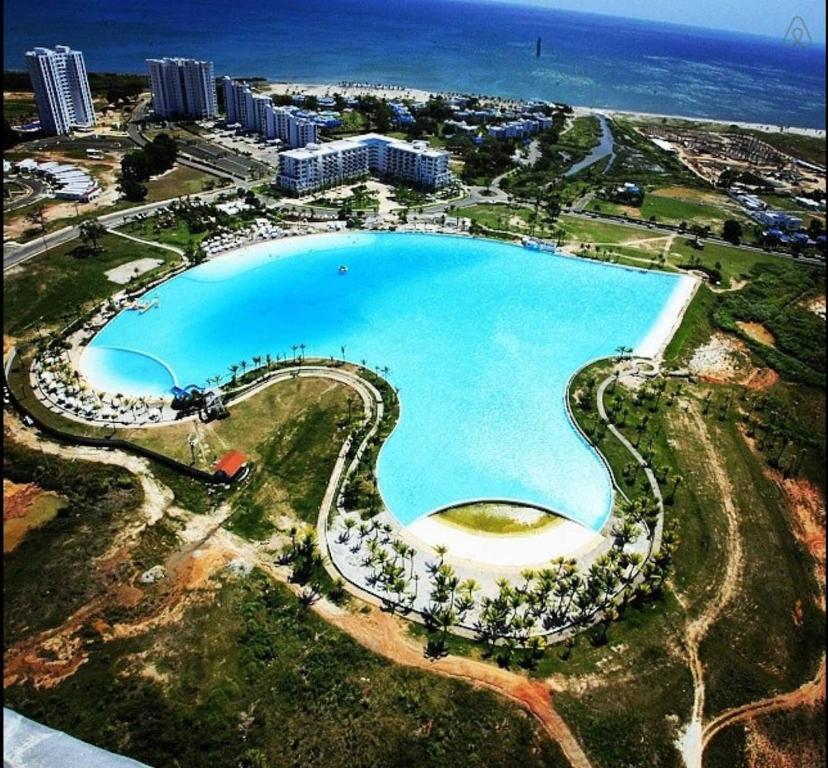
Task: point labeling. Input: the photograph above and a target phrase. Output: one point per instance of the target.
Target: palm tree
(233, 370)
(243, 366)
(294, 347)
(302, 354)
(342, 348)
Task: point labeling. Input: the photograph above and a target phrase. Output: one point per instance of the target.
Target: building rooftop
(230, 464)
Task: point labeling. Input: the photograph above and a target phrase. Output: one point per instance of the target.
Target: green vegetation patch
(48, 575)
(499, 519)
(61, 282)
(775, 297)
(254, 679)
(179, 182)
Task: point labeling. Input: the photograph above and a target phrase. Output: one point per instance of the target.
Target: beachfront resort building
(324, 165)
(256, 113)
(61, 89)
(182, 88)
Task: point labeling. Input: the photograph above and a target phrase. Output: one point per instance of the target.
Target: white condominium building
(256, 113)
(61, 89)
(182, 88)
(322, 165)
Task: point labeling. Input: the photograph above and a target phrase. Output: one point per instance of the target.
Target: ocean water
(480, 337)
(586, 59)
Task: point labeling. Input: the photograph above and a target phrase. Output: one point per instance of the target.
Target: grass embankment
(67, 279)
(292, 431)
(499, 519)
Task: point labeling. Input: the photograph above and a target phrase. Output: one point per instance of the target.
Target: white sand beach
(420, 94)
(662, 331)
(564, 539)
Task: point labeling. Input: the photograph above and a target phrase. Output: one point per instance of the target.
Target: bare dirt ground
(724, 359)
(817, 306)
(757, 332)
(25, 507)
(18, 498)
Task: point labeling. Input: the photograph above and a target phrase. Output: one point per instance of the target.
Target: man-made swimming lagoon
(481, 338)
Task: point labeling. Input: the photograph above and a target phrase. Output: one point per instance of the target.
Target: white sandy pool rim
(663, 329)
(517, 550)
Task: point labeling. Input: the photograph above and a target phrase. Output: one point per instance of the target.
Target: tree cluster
(138, 166)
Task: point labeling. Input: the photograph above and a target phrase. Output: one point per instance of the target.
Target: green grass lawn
(292, 430)
(691, 208)
(498, 216)
(584, 230)
(734, 263)
(65, 279)
(178, 235)
(179, 182)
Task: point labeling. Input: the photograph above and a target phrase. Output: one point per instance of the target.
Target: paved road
(14, 255)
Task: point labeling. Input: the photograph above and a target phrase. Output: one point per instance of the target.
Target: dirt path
(386, 635)
(157, 497)
(691, 743)
(380, 632)
(808, 694)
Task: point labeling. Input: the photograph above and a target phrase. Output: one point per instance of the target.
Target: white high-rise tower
(61, 89)
(182, 88)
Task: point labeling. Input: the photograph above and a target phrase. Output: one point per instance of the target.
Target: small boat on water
(343, 269)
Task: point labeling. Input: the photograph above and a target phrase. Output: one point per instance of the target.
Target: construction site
(709, 154)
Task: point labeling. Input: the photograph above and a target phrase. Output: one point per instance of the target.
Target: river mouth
(481, 338)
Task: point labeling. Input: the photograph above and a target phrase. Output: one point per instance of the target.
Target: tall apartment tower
(183, 88)
(61, 89)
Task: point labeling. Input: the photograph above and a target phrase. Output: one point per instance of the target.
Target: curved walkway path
(154, 244)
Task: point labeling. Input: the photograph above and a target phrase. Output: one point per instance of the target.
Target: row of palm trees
(549, 600)
(268, 361)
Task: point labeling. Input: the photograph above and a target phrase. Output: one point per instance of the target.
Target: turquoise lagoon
(480, 337)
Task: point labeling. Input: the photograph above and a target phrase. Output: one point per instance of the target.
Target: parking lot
(257, 147)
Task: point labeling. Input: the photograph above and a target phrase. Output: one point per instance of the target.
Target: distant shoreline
(408, 92)
(405, 92)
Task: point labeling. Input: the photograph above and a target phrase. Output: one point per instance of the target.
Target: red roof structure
(231, 464)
